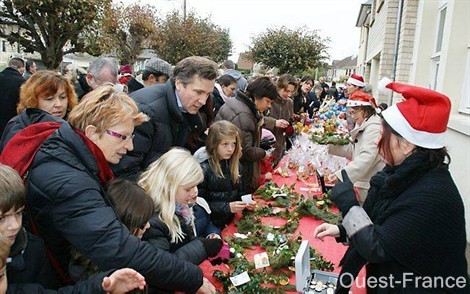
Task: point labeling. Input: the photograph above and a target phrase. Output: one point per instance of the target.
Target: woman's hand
(123, 281)
(332, 178)
(325, 230)
(251, 206)
(206, 287)
(282, 123)
(268, 176)
(237, 206)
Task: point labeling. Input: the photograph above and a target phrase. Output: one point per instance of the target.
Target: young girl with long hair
(221, 187)
(172, 183)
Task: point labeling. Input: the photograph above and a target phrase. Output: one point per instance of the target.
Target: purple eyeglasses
(120, 136)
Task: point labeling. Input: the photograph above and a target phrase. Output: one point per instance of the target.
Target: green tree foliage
(291, 51)
(177, 38)
(52, 28)
(124, 32)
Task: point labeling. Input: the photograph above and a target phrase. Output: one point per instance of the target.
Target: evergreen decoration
(279, 242)
(311, 207)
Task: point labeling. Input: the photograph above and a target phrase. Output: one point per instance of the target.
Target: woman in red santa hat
(410, 233)
(355, 83)
(362, 151)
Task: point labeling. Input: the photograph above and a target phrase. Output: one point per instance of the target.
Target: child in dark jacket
(172, 183)
(134, 208)
(221, 187)
(23, 258)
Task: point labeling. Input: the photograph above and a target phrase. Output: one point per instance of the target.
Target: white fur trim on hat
(382, 86)
(355, 82)
(353, 103)
(398, 122)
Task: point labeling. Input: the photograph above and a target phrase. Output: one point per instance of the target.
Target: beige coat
(363, 153)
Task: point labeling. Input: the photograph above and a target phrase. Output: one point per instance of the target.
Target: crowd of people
(127, 182)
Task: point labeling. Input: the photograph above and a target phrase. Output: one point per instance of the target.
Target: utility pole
(184, 9)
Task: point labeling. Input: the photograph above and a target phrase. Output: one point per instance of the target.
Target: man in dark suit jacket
(173, 111)
(11, 80)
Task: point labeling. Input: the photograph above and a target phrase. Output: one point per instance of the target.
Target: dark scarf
(386, 186)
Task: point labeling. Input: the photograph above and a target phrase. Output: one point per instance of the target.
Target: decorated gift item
(306, 157)
(329, 125)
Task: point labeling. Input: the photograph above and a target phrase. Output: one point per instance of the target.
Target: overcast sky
(335, 19)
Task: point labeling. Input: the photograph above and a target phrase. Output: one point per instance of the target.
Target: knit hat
(155, 65)
(125, 69)
(422, 118)
(360, 98)
(356, 80)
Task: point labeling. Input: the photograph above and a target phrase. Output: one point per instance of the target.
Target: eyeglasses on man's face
(120, 136)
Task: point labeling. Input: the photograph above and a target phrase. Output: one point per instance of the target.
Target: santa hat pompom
(382, 86)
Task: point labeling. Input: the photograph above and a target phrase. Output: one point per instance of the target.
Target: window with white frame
(465, 101)
(436, 57)
(435, 72)
(440, 29)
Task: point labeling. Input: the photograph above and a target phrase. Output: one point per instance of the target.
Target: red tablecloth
(331, 250)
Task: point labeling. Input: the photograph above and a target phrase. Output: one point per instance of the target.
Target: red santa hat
(422, 118)
(359, 98)
(356, 80)
(125, 69)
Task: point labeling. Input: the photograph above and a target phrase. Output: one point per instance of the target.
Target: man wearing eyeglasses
(173, 111)
(102, 70)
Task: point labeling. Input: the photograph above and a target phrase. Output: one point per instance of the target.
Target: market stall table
(329, 248)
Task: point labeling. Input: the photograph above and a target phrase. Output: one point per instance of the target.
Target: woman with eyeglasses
(66, 170)
(45, 96)
(362, 151)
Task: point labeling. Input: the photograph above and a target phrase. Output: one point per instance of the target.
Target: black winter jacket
(219, 192)
(10, 83)
(189, 249)
(28, 262)
(167, 127)
(70, 208)
(418, 229)
(91, 285)
(203, 223)
(218, 101)
(26, 118)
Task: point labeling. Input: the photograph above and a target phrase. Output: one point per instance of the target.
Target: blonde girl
(221, 187)
(172, 182)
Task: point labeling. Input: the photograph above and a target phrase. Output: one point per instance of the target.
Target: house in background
(8, 51)
(244, 62)
(339, 69)
(424, 43)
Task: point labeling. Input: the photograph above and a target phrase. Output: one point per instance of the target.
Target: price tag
(261, 260)
(240, 279)
(247, 199)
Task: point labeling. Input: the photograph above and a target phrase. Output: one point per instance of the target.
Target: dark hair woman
(246, 112)
(411, 231)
